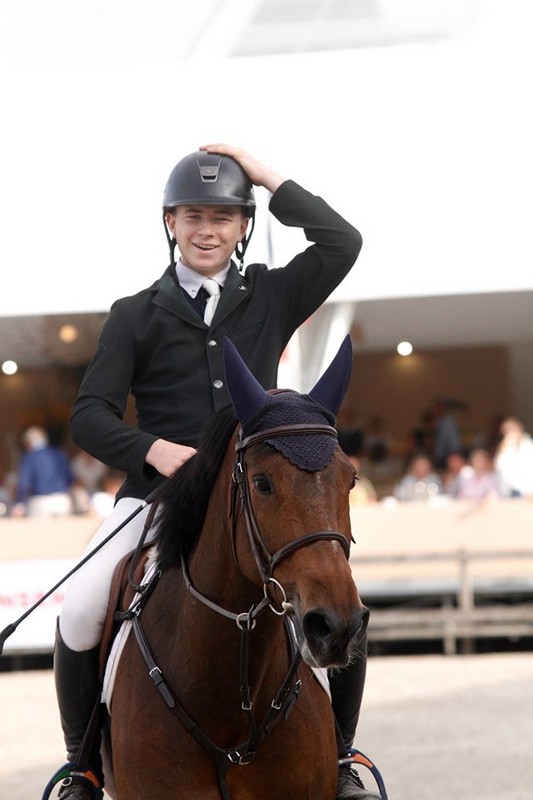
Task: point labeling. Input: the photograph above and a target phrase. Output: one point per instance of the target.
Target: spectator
(457, 471)
(447, 437)
(482, 482)
(494, 434)
(420, 482)
(364, 491)
(514, 459)
(44, 478)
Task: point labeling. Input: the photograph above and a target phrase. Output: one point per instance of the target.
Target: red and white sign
(22, 584)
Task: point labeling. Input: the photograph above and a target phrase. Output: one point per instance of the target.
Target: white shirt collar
(191, 281)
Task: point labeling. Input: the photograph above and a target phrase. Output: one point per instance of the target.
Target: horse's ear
(247, 394)
(330, 389)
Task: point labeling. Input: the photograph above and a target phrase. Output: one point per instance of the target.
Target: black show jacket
(155, 345)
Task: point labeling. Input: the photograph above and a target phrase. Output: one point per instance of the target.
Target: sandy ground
(439, 728)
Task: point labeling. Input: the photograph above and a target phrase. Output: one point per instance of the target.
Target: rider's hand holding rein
(167, 457)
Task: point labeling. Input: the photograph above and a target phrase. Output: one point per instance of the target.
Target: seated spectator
(482, 483)
(364, 491)
(513, 460)
(421, 482)
(44, 478)
(457, 470)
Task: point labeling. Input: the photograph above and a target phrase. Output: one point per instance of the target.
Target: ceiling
(499, 318)
(427, 322)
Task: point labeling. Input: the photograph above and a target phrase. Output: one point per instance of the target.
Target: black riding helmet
(209, 179)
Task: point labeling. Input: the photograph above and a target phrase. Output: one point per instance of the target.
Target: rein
(246, 621)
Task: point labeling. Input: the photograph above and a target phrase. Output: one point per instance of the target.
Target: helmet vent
(209, 174)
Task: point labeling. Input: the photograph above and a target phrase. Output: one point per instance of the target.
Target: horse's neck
(214, 571)
(213, 565)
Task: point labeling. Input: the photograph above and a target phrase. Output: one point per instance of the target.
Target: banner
(22, 584)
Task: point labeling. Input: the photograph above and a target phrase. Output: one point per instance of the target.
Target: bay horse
(253, 537)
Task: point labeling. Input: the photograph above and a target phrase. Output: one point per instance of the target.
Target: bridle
(266, 563)
(264, 559)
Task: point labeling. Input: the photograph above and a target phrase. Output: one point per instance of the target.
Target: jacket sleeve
(97, 424)
(311, 276)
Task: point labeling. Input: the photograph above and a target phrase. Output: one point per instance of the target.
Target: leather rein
(266, 563)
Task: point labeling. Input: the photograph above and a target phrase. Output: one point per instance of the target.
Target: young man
(164, 345)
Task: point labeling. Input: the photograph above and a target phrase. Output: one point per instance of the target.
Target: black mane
(181, 504)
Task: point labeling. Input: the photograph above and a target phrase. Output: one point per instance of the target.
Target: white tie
(213, 290)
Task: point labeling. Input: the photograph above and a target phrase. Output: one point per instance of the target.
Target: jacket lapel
(170, 297)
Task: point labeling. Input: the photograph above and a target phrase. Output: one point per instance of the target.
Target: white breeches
(84, 607)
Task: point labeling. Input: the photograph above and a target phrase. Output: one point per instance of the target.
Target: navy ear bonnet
(310, 452)
(258, 410)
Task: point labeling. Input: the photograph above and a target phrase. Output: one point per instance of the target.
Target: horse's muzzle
(331, 641)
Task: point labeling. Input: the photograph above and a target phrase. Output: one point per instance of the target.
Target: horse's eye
(262, 484)
(354, 481)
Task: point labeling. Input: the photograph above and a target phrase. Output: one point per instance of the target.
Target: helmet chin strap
(171, 241)
(240, 248)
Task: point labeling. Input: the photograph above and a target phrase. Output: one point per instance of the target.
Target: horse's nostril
(316, 626)
(331, 638)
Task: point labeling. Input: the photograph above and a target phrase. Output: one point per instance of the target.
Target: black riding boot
(78, 687)
(347, 687)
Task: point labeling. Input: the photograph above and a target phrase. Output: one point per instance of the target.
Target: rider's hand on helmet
(259, 173)
(167, 457)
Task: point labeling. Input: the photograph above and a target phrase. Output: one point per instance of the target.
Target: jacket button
(218, 384)
(212, 343)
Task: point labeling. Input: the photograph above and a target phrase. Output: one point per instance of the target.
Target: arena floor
(438, 727)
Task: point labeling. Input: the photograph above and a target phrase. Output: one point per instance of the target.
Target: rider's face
(207, 235)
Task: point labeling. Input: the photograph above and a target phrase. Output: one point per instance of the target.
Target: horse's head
(294, 483)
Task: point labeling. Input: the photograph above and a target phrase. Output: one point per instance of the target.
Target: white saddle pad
(122, 637)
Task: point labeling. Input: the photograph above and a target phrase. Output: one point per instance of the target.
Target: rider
(156, 345)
